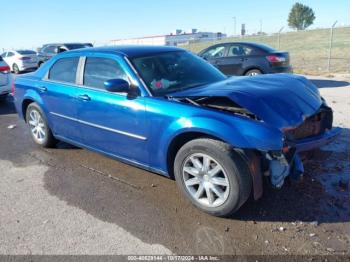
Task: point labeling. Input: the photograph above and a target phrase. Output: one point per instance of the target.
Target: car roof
(251, 44)
(62, 44)
(128, 50)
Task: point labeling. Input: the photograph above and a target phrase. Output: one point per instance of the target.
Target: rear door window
(64, 70)
(239, 50)
(98, 70)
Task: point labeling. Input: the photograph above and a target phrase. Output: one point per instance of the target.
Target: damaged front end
(288, 103)
(314, 131)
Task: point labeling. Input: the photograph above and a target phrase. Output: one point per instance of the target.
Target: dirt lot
(72, 201)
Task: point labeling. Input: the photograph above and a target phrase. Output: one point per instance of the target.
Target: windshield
(175, 71)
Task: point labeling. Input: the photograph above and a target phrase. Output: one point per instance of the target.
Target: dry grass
(308, 49)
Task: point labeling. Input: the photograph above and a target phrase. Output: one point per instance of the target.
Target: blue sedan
(170, 112)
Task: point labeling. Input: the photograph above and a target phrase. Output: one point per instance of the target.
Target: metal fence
(312, 51)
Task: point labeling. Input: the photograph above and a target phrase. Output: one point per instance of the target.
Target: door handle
(42, 89)
(84, 97)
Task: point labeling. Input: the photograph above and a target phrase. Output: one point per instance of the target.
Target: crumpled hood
(280, 100)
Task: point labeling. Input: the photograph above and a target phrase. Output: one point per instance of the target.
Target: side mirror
(117, 86)
(57, 50)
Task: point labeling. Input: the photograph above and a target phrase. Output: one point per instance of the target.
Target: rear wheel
(3, 98)
(39, 129)
(15, 68)
(213, 176)
(253, 72)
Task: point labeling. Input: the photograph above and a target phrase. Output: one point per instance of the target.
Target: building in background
(177, 38)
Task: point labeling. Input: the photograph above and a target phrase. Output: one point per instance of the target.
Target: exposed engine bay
(220, 103)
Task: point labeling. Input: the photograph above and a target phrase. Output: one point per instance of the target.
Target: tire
(233, 181)
(3, 98)
(15, 69)
(35, 118)
(253, 72)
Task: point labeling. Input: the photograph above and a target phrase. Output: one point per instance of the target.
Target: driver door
(111, 122)
(216, 56)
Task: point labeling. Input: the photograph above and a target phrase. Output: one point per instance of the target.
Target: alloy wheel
(37, 126)
(205, 180)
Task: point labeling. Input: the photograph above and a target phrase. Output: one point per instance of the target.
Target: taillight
(5, 69)
(24, 58)
(275, 58)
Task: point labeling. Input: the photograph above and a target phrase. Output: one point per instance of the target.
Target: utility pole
(261, 25)
(234, 25)
(279, 37)
(330, 47)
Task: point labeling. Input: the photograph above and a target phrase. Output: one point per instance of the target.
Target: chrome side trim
(100, 127)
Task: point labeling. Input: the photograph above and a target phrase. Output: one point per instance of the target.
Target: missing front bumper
(282, 165)
(310, 143)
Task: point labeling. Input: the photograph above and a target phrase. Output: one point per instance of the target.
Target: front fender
(237, 131)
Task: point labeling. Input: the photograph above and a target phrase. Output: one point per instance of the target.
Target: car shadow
(316, 197)
(327, 83)
(7, 106)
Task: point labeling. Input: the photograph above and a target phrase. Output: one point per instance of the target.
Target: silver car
(5, 77)
(21, 60)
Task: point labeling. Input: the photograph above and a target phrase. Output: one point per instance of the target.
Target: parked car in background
(5, 88)
(244, 58)
(49, 50)
(168, 111)
(21, 60)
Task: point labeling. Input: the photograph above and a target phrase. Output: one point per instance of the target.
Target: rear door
(111, 122)
(235, 59)
(58, 92)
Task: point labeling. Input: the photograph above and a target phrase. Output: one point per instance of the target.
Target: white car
(21, 60)
(5, 79)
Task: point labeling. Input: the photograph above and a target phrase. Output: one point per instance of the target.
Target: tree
(301, 17)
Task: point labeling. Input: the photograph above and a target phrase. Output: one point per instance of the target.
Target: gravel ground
(72, 201)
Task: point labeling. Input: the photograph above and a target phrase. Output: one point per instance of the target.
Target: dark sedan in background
(244, 58)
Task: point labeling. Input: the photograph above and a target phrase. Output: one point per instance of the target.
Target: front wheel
(39, 129)
(213, 176)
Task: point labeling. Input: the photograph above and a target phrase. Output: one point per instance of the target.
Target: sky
(29, 24)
